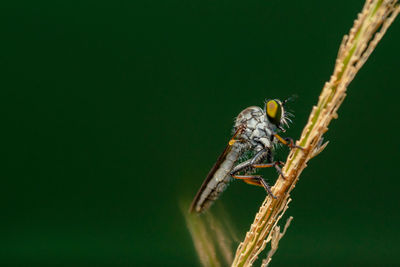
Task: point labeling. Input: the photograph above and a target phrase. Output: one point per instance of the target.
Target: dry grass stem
(276, 236)
(369, 27)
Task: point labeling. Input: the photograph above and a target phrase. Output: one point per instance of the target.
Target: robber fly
(255, 133)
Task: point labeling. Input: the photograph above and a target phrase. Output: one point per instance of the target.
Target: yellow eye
(274, 111)
(272, 108)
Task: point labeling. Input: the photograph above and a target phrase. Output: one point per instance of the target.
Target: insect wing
(210, 175)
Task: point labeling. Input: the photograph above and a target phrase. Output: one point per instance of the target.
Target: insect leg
(287, 141)
(255, 180)
(248, 163)
(258, 158)
(272, 164)
(240, 130)
(275, 163)
(254, 163)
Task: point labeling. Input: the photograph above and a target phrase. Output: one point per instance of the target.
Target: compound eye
(274, 111)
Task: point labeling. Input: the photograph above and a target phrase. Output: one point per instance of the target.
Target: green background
(112, 113)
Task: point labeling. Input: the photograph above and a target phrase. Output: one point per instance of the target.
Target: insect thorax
(258, 130)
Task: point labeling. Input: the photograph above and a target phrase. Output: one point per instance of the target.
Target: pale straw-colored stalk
(368, 29)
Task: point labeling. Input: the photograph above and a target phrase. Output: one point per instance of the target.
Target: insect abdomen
(218, 182)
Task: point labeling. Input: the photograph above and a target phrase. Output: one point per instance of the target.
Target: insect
(255, 134)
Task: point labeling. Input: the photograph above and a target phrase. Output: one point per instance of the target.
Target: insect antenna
(290, 99)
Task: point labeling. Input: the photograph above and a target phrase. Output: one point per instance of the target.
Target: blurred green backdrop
(114, 112)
